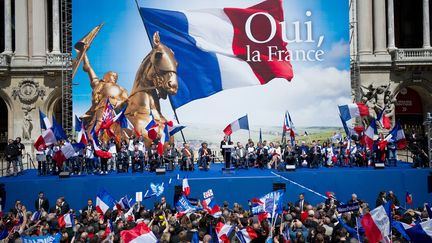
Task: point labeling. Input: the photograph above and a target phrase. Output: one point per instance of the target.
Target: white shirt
(112, 148)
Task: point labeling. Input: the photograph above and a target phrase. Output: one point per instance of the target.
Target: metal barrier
(27, 160)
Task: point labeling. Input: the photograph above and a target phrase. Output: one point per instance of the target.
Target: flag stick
(176, 117)
(249, 133)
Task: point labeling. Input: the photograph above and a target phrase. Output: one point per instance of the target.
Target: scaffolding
(66, 71)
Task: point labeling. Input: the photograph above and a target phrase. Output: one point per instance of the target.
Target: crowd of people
(133, 155)
(298, 222)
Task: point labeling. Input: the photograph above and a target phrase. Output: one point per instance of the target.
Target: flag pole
(176, 117)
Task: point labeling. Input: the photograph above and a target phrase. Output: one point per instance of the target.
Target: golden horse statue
(155, 79)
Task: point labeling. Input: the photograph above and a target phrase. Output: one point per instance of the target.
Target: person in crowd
(381, 199)
(123, 158)
(112, 148)
(187, 158)
(21, 152)
(204, 156)
(154, 160)
(89, 208)
(301, 203)
(393, 198)
(89, 158)
(303, 152)
(137, 157)
(353, 199)
(170, 157)
(315, 155)
(42, 203)
(289, 155)
(226, 152)
(11, 155)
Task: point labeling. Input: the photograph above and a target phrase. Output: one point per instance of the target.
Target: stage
(238, 186)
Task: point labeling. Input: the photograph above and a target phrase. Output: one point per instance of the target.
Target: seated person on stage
(315, 155)
(262, 156)
(275, 156)
(341, 154)
(289, 155)
(204, 154)
(123, 158)
(137, 157)
(303, 152)
(153, 158)
(251, 154)
(240, 156)
(170, 156)
(187, 158)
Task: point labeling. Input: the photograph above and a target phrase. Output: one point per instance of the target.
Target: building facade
(32, 61)
(391, 52)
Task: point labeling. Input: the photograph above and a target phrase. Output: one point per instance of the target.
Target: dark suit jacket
(45, 204)
(297, 204)
(84, 209)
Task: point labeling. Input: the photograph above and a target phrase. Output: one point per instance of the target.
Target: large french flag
(347, 112)
(121, 119)
(211, 47)
(246, 235)
(384, 120)
(47, 138)
(421, 232)
(141, 233)
(104, 201)
(241, 123)
(44, 121)
(185, 187)
(370, 134)
(377, 223)
(397, 135)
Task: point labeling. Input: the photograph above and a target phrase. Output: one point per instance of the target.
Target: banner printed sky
(311, 97)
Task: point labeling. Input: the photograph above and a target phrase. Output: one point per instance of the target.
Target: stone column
(426, 26)
(390, 25)
(56, 26)
(8, 27)
(21, 30)
(365, 26)
(39, 36)
(379, 11)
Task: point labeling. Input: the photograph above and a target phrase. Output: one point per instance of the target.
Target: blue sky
(123, 43)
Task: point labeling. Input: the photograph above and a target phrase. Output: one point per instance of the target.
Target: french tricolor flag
(66, 221)
(246, 235)
(408, 198)
(141, 233)
(397, 135)
(347, 112)
(421, 232)
(151, 128)
(98, 151)
(121, 119)
(377, 223)
(164, 139)
(104, 201)
(222, 48)
(384, 120)
(241, 123)
(223, 232)
(174, 127)
(370, 135)
(185, 187)
(47, 138)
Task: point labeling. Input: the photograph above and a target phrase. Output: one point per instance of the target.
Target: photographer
(11, 154)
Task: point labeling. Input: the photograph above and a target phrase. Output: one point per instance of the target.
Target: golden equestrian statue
(156, 78)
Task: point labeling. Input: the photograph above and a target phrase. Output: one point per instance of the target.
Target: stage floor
(239, 186)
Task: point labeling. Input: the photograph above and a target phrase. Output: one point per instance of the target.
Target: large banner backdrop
(215, 61)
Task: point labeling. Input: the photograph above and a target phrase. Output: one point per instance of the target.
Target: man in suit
(187, 158)
(89, 208)
(137, 157)
(170, 156)
(381, 199)
(301, 203)
(41, 203)
(226, 152)
(163, 204)
(303, 152)
(153, 158)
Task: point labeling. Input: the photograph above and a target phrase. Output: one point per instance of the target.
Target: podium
(227, 154)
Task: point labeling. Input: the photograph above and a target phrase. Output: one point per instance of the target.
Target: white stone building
(31, 64)
(391, 44)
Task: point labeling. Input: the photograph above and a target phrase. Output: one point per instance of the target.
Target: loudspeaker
(178, 192)
(160, 171)
(290, 167)
(64, 174)
(279, 186)
(379, 166)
